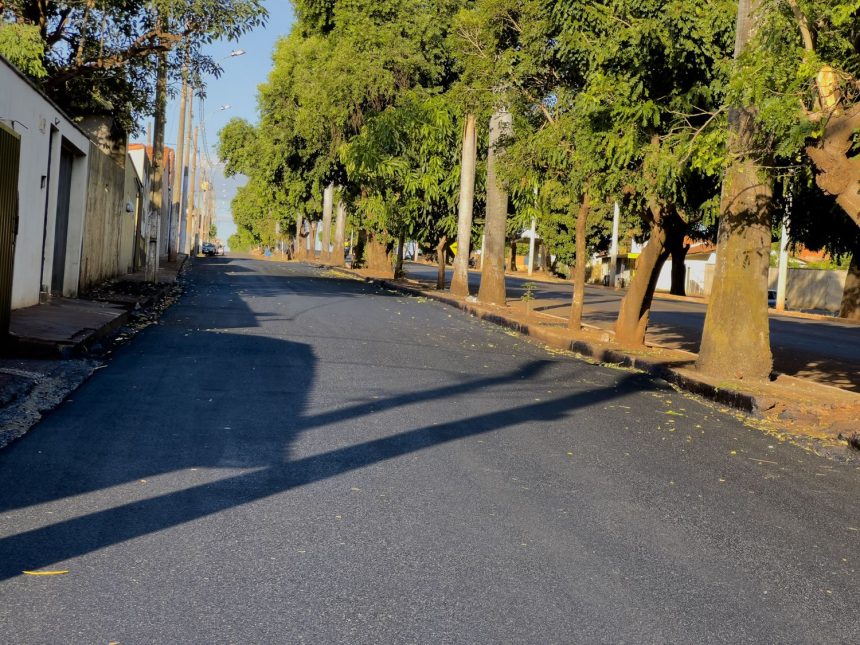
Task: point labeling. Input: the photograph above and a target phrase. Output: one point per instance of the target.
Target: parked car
(219, 249)
(209, 248)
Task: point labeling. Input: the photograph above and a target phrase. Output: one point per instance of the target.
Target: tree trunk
(460, 281)
(838, 174)
(851, 295)
(513, 264)
(667, 232)
(441, 252)
(337, 255)
(398, 262)
(492, 290)
(544, 258)
(312, 238)
(575, 321)
(736, 336)
(377, 255)
(359, 251)
(678, 252)
(328, 203)
(301, 240)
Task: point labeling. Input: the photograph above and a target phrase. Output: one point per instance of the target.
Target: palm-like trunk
(492, 288)
(736, 336)
(312, 249)
(575, 321)
(460, 281)
(328, 203)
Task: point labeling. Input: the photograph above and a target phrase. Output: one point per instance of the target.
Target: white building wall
(44, 129)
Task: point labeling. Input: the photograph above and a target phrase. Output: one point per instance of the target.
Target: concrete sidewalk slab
(63, 327)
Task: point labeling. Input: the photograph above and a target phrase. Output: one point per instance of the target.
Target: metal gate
(61, 226)
(10, 149)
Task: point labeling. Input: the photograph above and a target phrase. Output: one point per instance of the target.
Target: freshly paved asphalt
(292, 457)
(823, 350)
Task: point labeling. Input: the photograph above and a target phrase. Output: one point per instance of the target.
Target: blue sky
(236, 87)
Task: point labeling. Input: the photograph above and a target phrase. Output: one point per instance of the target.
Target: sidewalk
(49, 350)
(63, 327)
(789, 404)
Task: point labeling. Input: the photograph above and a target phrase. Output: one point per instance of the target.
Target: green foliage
(22, 45)
(348, 72)
(98, 57)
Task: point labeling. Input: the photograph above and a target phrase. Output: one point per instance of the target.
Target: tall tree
(736, 346)
(99, 57)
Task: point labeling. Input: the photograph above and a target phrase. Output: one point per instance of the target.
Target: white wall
(44, 129)
(811, 288)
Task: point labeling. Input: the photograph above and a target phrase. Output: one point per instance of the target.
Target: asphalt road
(294, 457)
(825, 351)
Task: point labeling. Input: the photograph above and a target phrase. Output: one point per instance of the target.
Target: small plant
(528, 295)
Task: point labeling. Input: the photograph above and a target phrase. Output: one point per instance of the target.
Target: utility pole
(191, 195)
(328, 206)
(176, 206)
(156, 198)
(613, 249)
(186, 176)
(460, 281)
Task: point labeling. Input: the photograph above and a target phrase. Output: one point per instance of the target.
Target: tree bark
(513, 264)
(460, 281)
(377, 255)
(736, 336)
(328, 204)
(299, 252)
(667, 232)
(359, 252)
(441, 252)
(492, 289)
(544, 258)
(851, 295)
(398, 262)
(337, 255)
(838, 174)
(678, 252)
(575, 321)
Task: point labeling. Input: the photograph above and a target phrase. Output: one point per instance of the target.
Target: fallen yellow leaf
(45, 573)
